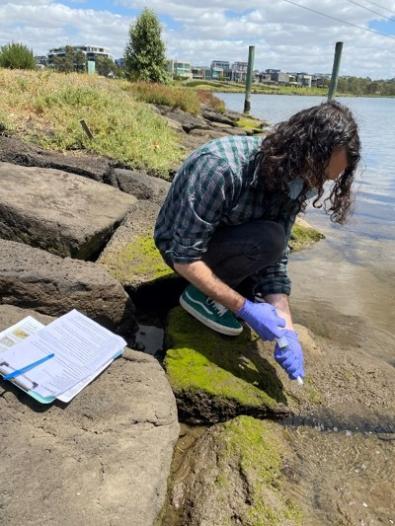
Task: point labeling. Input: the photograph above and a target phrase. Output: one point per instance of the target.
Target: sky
(286, 36)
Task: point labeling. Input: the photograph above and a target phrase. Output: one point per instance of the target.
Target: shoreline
(345, 95)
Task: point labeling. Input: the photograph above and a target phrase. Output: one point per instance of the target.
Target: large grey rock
(215, 116)
(33, 278)
(66, 214)
(9, 315)
(248, 472)
(233, 475)
(187, 120)
(103, 459)
(131, 255)
(139, 184)
(16, 151)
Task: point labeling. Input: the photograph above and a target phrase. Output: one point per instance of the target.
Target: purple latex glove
(263, 319)
(290, 357)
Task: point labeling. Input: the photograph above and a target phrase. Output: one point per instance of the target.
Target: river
(351, 274)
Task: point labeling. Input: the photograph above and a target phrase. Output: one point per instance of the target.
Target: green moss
(258, 450)
(249, 123)
(138, 261)
(200, 360)
(303, 237)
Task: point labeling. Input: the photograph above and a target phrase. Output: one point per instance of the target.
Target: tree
(72, 60)
(16, 56)
(145, 57)
(80, 61)
(105, 66)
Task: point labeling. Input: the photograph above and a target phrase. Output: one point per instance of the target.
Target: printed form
(81, 348)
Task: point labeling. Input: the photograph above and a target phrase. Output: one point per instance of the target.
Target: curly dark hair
(302, 147)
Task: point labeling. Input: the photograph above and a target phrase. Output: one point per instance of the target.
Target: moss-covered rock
(236, 476)
(251, 124)
(217, 377)
(131, 255)
(137, 261)
(303, 235)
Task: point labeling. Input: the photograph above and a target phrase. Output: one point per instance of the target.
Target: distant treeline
(366, 86)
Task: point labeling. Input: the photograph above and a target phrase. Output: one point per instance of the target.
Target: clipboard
(19, 375)
(22, 382)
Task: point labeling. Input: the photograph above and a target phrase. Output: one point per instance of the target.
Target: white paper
(67, 396)
(81, 346)
(18, 332)
(13, 335)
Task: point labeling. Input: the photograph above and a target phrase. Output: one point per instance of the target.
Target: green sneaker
(209, 312)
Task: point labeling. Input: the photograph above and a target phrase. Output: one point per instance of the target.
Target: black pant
(237, 252)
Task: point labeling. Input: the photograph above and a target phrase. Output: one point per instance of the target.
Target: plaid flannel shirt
(218, 185)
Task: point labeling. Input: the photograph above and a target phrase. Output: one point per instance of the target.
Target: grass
(173, 96)
(209, 99)
(46, 108)
(234, 87)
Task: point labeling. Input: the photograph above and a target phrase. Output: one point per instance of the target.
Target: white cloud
(285, 36)
(47, 24)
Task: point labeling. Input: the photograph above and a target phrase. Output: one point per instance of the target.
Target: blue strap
(27, 368)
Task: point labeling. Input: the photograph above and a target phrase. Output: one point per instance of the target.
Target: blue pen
(27, 368)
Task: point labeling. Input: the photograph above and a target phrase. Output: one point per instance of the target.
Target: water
(352, 272)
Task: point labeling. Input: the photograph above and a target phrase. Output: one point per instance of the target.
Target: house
(201, 72)
(41, 61)
(182, 70)
(90, 52)
(220, 70)
(304, 79)
(239, 71)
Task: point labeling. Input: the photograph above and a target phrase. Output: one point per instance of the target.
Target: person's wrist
(243, 309)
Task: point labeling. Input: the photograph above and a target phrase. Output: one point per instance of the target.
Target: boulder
(217, 377)
(187, 120)
(139, 184)
(33, 278)
(16, 151)
(63, 213)
(9, 315)
(215, 116)
(102, 459)
(235, 476)
(248, 472)
(131, 255)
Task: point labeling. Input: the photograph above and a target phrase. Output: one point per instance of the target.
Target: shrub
(16, 56)
(207, 98)
(174, 97)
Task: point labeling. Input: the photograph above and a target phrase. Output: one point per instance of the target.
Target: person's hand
(290, 357)
(263, 319)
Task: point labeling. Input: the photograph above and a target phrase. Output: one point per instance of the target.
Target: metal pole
(251, 56)
(335, 70)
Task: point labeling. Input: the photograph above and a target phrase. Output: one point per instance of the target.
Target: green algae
(198, 360)
(251, 124)
(136, 262)
(303, 236)
(258, 450)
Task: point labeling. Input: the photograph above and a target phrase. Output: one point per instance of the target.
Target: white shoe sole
(227, 331)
